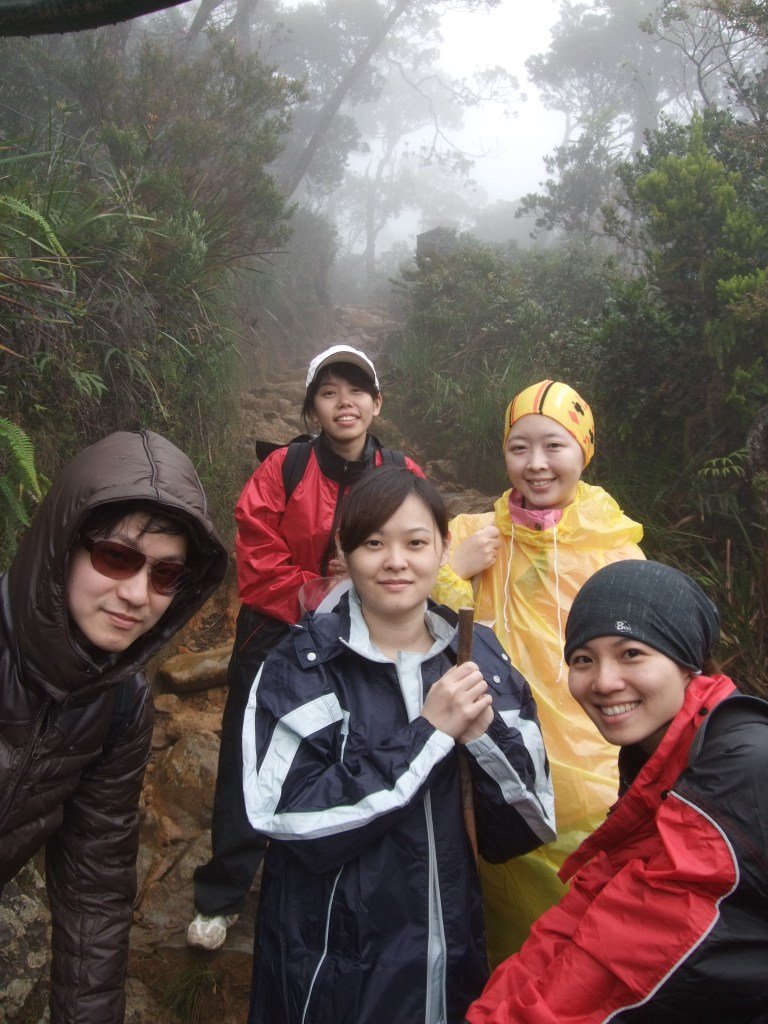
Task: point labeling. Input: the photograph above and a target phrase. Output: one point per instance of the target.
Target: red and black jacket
(666, 920)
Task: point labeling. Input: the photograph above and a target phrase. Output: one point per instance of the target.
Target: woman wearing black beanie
(666, 919)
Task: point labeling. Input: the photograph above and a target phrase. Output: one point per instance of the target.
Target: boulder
(466, 501)
(140, 1005)
(196, 670)
(445, 470)
(183, 781)
(166, 904)
(175, 718)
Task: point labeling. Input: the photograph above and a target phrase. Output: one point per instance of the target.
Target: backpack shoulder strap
(391, 457)
(265, 448)
(295, 464)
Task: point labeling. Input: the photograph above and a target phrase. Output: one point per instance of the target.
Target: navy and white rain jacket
(370, 909)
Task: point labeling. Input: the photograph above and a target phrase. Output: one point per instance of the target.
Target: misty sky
(515, 143)
(515, 140)
(506, 35)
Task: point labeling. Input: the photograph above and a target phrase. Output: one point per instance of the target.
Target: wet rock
(194, 671)
(140, 1005)
(465, 501)
(294, 392)
(183, 781)
(363, 319)
(195, 985)
(272, 415)
(275, 427)
(175, 718)
(166, 905)
(25, 940)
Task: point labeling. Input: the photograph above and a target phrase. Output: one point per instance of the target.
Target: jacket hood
(125, 466)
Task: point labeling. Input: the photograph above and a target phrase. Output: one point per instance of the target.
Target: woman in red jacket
(284, 540)
(666, 919)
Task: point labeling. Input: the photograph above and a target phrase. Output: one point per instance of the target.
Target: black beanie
(646, 601)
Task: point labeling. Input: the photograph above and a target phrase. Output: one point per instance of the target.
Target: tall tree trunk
(242, 24)
(374, 223)
(370, 228)
(200, 20)
(293, 178)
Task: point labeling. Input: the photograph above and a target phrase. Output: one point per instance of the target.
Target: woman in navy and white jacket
(370, 907)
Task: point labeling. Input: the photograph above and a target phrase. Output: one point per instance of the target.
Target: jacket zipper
(434, 906)
(325, 944)
(25, 759)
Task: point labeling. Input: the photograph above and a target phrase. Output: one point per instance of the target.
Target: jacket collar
(657, 775)
(531, 518)
(342, 470)
(321, 638)
(359, 639)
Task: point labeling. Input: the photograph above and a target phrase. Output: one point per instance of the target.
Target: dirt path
(180, 786)
(178, 794)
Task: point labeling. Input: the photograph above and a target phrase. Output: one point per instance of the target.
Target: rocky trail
(167, 981)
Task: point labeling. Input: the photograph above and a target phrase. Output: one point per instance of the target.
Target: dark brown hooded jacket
(74, 729)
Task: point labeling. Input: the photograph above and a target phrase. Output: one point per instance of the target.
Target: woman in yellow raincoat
(521, 566)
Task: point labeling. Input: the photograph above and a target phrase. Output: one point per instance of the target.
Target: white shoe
(209, 932)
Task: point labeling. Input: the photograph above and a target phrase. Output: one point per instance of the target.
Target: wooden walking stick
(464, 653)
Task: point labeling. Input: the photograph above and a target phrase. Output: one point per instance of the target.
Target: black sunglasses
(119, 562)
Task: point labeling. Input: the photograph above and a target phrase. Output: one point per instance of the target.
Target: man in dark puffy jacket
(121, 554)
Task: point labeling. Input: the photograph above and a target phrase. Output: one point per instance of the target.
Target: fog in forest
(482, 195)
(576, 191)
(393, 117)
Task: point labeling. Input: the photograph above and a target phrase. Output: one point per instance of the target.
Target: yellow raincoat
(525, 596)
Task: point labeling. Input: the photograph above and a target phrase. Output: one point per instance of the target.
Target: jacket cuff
(482, 745)
(439, 739)
(452, 590)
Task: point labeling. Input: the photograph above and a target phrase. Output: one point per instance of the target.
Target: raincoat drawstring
(507, 588)
(560, 636)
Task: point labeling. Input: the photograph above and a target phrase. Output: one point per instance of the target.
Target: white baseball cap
(342, 354)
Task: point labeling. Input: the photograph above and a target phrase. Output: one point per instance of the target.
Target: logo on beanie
(623, 627)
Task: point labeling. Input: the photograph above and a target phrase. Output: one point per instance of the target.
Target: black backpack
(297, 458)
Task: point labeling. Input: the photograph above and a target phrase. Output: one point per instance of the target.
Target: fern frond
(24, 210)
(18, 455)
(13, 515)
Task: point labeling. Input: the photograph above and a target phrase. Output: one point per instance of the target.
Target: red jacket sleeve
(268, 576)
(414, 468)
